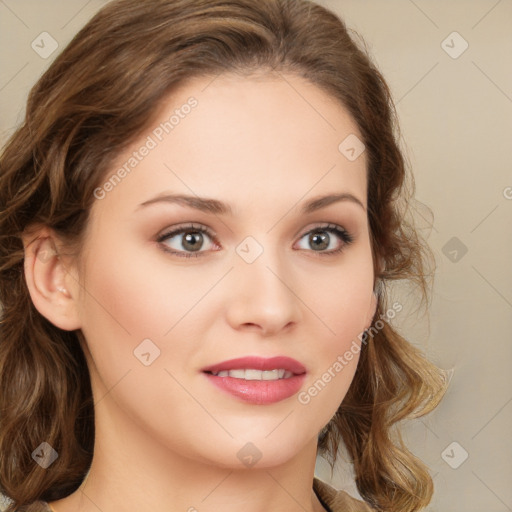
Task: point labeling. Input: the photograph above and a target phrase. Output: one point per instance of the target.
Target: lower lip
(259, 392)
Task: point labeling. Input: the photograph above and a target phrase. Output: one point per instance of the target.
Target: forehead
(247, 140)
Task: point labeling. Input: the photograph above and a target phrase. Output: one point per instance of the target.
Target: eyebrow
(215, 206)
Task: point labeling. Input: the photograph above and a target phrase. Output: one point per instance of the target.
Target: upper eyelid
(177, 230)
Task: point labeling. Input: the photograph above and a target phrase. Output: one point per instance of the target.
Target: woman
(199, 219)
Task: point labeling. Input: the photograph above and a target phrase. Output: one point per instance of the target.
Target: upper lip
(258, 363)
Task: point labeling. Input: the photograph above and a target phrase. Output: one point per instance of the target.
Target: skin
(166, 438)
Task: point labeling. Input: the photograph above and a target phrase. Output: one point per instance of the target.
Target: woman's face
(243, 275)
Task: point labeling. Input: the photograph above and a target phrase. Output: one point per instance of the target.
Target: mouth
(258, 380)
(252, 374)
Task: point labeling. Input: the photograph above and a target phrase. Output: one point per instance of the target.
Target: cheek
(134, 293)
(343, 299)
(343, 308)
(128, 300)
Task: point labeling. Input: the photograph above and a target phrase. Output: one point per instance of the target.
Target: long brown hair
(93, 101)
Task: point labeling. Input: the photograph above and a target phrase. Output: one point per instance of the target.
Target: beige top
(332, 500)
(338, 501)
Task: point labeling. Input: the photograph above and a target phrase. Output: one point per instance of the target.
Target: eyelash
(344, 235)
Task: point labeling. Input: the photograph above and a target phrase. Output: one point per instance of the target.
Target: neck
(133, 471)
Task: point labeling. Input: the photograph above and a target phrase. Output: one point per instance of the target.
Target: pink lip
(258, 392)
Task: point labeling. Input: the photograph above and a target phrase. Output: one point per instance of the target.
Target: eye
(318, 239)
(190, 245)
(192, 241)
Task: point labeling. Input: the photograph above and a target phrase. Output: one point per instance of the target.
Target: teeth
(237, 374)
(270, 375)
(250, 374)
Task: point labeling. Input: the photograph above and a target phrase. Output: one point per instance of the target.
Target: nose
(262, 296)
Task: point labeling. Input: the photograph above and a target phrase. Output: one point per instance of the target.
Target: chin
(256, 451)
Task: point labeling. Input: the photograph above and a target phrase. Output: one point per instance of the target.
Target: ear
(52, 289)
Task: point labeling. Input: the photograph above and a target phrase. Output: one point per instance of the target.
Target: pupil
(322, 238)
(190, 238)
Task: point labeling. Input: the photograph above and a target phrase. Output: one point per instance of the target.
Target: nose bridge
(263, 292)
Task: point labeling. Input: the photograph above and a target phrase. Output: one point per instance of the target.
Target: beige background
(456, 119)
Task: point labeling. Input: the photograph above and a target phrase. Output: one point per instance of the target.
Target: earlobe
(47, 281)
